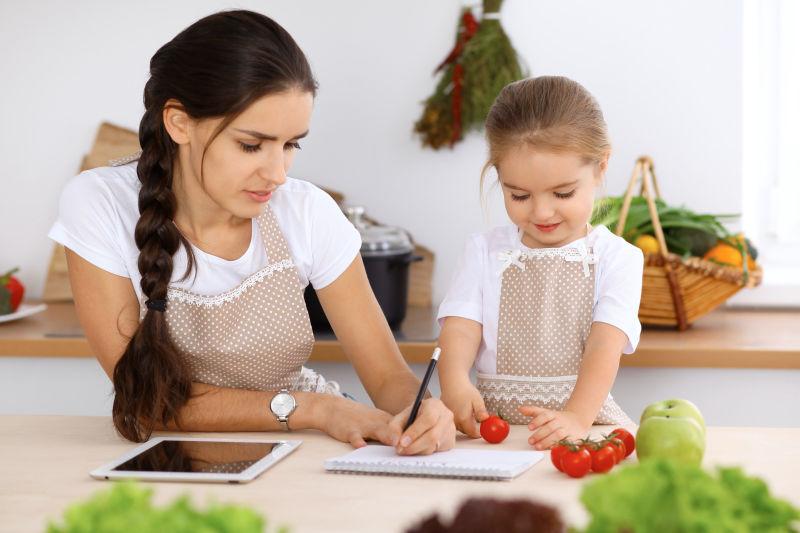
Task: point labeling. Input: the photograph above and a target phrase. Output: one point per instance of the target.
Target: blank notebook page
(464, 463)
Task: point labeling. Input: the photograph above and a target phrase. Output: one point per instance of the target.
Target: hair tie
(156, 305)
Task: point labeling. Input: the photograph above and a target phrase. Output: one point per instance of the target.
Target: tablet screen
(199, 456)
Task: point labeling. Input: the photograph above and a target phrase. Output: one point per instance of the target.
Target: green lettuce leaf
(128, 507)
(661, 496)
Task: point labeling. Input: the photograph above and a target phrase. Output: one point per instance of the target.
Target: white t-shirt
(475, 289)
(99, 209)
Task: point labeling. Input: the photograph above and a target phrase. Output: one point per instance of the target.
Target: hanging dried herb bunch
(481, 63)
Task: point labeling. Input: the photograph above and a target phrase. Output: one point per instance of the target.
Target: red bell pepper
(11, 292)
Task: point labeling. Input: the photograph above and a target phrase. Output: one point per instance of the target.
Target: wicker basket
(675, 290)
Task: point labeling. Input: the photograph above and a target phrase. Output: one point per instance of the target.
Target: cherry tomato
(556, 453)
(625, 436)
(494, 429)
(603, 458)
(619, 448)
(577, 463)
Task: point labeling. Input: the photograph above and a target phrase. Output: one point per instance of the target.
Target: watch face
(282, 404)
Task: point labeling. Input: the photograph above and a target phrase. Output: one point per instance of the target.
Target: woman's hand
(549, 426)
(349, 421)
(432, 431)
(468, 407)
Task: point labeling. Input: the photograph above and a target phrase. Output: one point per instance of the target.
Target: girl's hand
(549, 426)
(350, 421)
(468, 408)
(432, 431)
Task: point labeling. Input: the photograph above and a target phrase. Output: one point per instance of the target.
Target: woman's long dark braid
(151, 381)
(216, 67)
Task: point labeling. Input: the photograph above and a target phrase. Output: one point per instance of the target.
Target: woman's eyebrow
(267, 137)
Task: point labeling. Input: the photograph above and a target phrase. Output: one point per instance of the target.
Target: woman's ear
(176, 121)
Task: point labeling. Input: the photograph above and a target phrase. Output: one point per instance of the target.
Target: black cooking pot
(387, 253)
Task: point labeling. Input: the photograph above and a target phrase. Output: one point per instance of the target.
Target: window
(771, 144)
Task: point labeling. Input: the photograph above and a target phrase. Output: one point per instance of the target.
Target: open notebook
(462, 463)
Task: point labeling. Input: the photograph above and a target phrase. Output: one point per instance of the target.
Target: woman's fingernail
(394, 440)
(405, 441)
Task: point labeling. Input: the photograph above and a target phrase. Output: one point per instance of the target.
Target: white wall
(666, 73)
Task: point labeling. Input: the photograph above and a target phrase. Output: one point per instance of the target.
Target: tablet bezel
(253, 471)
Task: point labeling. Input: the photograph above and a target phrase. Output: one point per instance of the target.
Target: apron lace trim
(311, 381)
(514, 257)
(184, 296)
(523, 388)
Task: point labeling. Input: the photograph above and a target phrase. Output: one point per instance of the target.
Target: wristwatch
(282, 405)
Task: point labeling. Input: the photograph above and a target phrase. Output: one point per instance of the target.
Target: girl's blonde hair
(551, 113)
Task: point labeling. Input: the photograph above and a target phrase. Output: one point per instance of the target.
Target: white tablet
(212, 460)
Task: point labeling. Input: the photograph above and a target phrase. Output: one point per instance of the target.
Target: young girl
(548, 303)
(188, 262)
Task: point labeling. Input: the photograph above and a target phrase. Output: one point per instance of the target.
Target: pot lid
(377, 239)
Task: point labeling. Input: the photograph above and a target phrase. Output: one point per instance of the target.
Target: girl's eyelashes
(523, 197)
(293, 146)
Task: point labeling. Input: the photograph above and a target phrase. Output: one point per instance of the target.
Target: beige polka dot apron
(546, 303)
(256, 336)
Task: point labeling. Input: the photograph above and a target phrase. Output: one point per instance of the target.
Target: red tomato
(603, 459)
(556, 453)
(577, 463)
(625, 436)
(619, 448)
(494, 429)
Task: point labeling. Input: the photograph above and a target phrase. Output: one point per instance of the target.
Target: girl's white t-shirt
(475, 288)
(99, 209)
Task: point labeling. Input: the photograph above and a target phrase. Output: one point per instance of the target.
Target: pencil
(423, 387)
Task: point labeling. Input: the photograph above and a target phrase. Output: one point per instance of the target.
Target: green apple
(674, 409)
(678, 439)
(672, 429)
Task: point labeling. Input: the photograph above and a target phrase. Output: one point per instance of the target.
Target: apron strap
(272, 237)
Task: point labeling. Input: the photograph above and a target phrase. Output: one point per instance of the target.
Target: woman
(188, 264)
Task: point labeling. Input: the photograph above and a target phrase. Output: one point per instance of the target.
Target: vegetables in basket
(686, 233)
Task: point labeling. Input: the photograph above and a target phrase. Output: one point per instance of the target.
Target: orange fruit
(740, 238)
(647, 244)
(725, 254)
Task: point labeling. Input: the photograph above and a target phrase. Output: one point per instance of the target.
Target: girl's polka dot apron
(546, 302)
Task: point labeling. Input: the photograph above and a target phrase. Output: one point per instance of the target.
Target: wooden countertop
(47, 460)
(725, 338)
